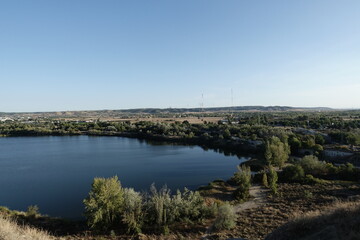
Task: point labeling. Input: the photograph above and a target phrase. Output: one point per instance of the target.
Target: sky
(60, 55)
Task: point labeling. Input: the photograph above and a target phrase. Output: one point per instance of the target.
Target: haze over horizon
(89, 55)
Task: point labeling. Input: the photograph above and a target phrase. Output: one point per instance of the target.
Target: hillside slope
(339, 222)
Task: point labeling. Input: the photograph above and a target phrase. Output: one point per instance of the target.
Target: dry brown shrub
(10, 230)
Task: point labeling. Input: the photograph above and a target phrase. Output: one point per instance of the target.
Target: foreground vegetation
(10, 230)
(111, 207)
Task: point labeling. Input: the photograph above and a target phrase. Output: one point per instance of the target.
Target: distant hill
(122, 112)
(190, 110)
(221, 109)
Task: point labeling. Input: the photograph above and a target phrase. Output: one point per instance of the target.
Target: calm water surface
(56, 173)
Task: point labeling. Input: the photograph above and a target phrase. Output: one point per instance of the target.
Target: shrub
(186, 206)
(273, 178)
(133, 214)
(293, 173)
(243, 180)
(189, 206)
(265, 180)
(32, 211)
(159, 206)
(4, 211)
(347, 171)
(104, 203)
(226, 218)
(276, 151)
(313, 166)
(241, 193)
(310, 179)
(331, 169)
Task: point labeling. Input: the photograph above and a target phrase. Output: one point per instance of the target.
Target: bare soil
(292, 200)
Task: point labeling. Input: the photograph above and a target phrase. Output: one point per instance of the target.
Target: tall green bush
(273, 178)
(104, 204)
(277, 151)
(293, 173)
(159, 206)
(265, 182)
(313, 166)
(186, 206)
(133, 212)
(226, 218)
(243, 179)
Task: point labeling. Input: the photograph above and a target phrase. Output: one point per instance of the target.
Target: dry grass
(338, 222)
(10, 230)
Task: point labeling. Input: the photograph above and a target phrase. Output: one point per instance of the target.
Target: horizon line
(189, 108)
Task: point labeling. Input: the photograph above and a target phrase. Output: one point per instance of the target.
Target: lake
(56, 173)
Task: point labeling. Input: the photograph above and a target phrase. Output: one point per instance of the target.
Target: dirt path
(258, 197)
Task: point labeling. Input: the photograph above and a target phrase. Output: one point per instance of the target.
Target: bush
(4, 211)
(133, 214)
(108, 205)
(276, 151)
(348, 172)
(273, 178)
(310, 179)
(186, 206)
(331, 169)
(104, 203)
(293, 174)
(243, 180)
(190, 206)
(241, 193)
(159, 205)
(313, 166)
(265, 180)
(226, 218)
(32, 211)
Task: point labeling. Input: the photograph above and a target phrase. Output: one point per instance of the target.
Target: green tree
(276, 151)
(104, 204)
(295, 144)
(133, 214)
(293, 173)
(243, 179)
(319, 139)
(353, 139)
(273, 178)
(160, 205)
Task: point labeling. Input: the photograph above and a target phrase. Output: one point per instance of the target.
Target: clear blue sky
(85, 54)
